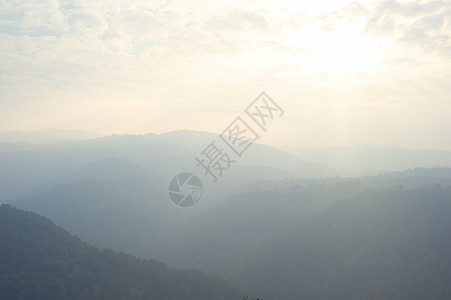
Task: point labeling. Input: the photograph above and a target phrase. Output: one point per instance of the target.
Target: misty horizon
(63, 134)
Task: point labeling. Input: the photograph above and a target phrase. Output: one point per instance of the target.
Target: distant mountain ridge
(165, 155)
(361, 160)
(46, 135)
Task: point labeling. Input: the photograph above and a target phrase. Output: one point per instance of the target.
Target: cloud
(299, 20)
(430, 33)
(392, 17)
(237, 20)
(82, 20)
(352, 12)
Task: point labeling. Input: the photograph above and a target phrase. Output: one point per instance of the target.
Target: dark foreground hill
(40, 260)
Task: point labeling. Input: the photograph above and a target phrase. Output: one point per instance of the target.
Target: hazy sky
(362, 72)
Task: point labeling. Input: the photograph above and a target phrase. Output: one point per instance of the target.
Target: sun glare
(338, 51)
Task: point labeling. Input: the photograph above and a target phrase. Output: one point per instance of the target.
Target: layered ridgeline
(381, 244)
(40, 260)
(30, 166)
(287, 237)
(267, 208)
(270, 234)
(129, 214)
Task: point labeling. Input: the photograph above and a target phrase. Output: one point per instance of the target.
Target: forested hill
(40, 260)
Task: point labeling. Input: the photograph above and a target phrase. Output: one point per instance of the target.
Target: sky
(344, 72)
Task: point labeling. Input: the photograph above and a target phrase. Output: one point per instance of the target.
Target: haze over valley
(222, 150)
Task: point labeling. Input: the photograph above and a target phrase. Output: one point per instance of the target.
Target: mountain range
(276, 222)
